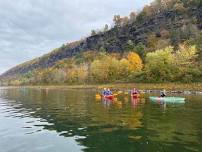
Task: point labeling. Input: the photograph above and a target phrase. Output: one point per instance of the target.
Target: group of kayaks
(109, 95)
(136, 94)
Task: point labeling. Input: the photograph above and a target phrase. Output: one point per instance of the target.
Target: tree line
(167, 55)
(163, 65)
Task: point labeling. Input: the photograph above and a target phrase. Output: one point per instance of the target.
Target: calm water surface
(37, 120)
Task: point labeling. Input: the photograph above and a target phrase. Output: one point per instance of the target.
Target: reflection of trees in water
(119, 126)
(116, 140)
(76, 113)
(119, 112)
(172, 127)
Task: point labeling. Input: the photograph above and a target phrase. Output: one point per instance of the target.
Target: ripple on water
(38, 120)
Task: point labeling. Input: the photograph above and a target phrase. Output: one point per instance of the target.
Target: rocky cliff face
(115, 39)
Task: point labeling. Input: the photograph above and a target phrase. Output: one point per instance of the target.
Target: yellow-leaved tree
(186, 55)
(185, 60)
(135, 62)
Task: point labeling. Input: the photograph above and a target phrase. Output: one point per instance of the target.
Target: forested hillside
(162, 43)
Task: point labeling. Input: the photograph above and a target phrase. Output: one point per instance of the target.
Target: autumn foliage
(171, 52)
(135, 62)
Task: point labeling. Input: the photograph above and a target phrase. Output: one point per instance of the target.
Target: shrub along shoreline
(176, 87)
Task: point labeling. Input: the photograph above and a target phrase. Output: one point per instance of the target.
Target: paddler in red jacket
(135, 91)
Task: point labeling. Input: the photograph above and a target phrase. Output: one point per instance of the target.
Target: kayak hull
(110, 97)
(168, 99)
(135, 95)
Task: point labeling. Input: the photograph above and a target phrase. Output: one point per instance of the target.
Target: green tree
(124, 70)
(117, 20)
(124, 21)
(141, 17)
(152, 42)
(160, 66)
(129, 45)
(58, 76)
(106, 28)
(103, 50)
(140, 49)
(132, 17)
(99, 71)
(93, 32)
(198, 42)
(179, 7)
(185, 55)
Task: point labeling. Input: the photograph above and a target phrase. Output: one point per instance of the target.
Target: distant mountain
(173, 20)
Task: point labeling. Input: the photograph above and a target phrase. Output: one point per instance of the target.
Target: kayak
(110, 97)
(168, 99)
(135, 95)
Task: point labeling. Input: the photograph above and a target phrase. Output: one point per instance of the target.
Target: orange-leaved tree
(135, 62)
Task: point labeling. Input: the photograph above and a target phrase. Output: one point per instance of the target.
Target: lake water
(39, 120)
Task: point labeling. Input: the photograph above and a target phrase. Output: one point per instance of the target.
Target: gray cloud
(30, 28)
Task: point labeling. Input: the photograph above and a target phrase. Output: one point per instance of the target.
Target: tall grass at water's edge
(141, 86)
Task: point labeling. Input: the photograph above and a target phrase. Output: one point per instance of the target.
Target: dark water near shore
(35, 120)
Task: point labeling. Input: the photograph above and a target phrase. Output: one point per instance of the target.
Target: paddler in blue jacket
(109, 92)
(104, 92)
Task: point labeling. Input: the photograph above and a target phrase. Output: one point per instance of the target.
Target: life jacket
(135, 92)
(104, 92)
(109, 93)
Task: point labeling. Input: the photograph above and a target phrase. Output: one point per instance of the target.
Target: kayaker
(109, 92)
(134, 91)
(163, 93)
(104, 92)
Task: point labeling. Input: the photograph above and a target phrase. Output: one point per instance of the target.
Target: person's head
(105, 89)
(134, 88)
(108, 89)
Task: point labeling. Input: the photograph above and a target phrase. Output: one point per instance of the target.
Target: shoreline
(176, 87)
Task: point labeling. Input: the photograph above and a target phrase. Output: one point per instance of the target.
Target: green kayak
(168, 99)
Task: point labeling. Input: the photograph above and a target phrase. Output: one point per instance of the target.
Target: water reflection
(107, 102)
(125, 124)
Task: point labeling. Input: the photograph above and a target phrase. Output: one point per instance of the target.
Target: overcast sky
(30, 28)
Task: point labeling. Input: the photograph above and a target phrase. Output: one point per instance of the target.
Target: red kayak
(110, 97)
(135, 95)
